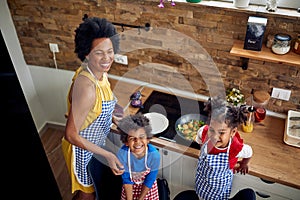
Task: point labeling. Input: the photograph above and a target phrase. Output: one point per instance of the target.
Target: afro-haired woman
(90, 106)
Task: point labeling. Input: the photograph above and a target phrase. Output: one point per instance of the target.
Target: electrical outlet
(282, 94)
(122, 59)
(53, 47)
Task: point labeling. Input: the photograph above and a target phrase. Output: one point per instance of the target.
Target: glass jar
(260, 102)
(247, 127)
(281, 44)
(271, 5)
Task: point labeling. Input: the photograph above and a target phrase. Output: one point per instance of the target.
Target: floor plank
(51, 139)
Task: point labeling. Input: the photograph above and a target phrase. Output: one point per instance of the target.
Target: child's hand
(242, 166)
(116, 119)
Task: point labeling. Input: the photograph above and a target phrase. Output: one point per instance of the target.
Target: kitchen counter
(272, 159)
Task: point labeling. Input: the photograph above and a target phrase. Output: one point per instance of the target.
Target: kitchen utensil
(295, 126)
(185, 119)
(158, 122)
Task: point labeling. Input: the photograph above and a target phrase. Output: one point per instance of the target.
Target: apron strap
(129, 164)
(204, 146)
(96, 80)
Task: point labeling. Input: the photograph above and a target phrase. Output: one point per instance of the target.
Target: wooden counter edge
(195, 152)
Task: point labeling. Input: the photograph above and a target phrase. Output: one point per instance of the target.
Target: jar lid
(261, 96)
(282, 37)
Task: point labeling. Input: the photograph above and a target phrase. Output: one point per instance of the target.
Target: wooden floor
(51, 139)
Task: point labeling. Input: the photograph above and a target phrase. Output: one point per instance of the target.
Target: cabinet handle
(267, 181)
(165, 152)
(262, 195)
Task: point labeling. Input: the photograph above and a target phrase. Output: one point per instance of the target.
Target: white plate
(158, 122)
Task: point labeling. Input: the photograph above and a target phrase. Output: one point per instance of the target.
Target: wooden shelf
(265, 54)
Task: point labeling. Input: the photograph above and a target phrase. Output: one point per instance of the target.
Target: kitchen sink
(173, 107)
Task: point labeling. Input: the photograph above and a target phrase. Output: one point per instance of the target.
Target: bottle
(247, 127)
(271, 5)
(297, 45)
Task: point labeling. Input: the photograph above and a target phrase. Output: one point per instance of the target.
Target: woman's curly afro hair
(90, 29)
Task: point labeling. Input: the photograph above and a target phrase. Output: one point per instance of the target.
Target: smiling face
(137, 142)
(219, 134)
(101, 56)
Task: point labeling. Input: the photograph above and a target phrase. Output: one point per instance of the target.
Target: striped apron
(213, 175)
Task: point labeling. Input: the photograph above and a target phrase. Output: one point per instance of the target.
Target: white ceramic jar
(281, 44)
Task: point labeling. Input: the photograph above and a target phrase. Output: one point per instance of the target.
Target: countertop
(272, 159)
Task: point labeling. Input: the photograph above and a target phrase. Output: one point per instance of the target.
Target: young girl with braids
(223, 151)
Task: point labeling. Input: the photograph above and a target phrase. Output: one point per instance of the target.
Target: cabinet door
(160, 174)
(264, 189)
(179, 169)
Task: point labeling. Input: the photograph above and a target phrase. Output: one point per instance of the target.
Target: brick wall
(39, 23)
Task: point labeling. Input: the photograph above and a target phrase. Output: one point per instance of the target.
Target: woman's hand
(114, 164)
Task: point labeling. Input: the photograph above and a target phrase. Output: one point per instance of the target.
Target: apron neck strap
(129, 163)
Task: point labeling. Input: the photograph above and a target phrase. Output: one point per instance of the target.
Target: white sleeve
(199, 135)
(246, 152)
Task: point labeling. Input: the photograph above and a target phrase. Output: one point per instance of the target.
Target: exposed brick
(40, 22)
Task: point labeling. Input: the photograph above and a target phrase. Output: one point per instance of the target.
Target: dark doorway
(27, 173)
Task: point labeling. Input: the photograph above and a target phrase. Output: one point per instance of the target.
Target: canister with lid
(281, 44)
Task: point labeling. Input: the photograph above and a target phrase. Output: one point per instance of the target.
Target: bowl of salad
(187, 126)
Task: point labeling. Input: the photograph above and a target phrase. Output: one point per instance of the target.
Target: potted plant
(234, 96)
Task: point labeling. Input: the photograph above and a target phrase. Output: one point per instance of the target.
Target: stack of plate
(292, 129)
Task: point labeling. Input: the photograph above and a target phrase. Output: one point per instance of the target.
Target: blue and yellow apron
(77, 159)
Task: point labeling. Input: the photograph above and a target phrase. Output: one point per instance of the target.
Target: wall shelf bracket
(146, 27)
(245, 62)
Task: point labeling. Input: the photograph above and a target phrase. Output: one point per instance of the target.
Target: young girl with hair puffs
(140, 159)
(223, 151)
